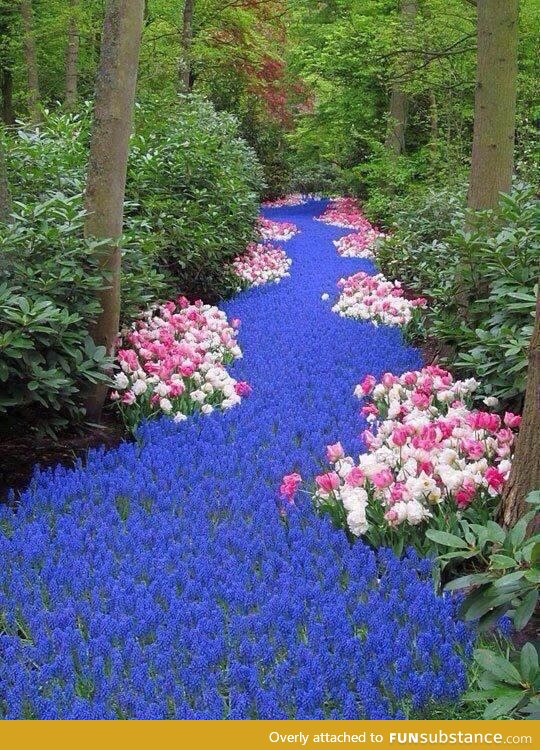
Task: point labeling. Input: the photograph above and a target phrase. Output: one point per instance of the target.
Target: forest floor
(21, 452)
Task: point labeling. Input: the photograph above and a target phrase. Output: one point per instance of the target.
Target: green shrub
(480, 281)
(506, 565)
(507, 683)
(48, 282)
(192, 193)
(192, 202)
(49, 159)
(197, 184)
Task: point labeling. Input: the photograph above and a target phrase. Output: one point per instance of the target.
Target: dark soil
(433, 350)
(21, 452)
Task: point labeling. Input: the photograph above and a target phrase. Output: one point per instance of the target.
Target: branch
(430, 53)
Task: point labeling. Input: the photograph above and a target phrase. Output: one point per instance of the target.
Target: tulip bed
(429, 455)
(262, 263)
(161, 580)
(374, 298)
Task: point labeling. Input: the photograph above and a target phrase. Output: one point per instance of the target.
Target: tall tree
(399, 105)
(72, 53)
(30, 60)
(525, 472)
(106, 181)
(7, 18)
(5, 200)
(6, 92)
(184, 72)
(494, 102)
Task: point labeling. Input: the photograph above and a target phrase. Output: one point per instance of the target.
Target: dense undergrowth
(479, 274)
(192, 202)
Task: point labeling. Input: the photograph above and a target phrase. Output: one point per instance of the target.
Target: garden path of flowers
(159, 580)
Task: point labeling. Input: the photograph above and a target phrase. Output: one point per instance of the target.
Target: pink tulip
(368, 409)
(355, 477)
(400, 435)
(494, 478)
(367, 384)
(388, 380)
(328, 482)
(382, 478)
(465, 493)
(242, 388)
(420, 400)
(512, 420)
(334, 452)
(473, 448)
(289, 485)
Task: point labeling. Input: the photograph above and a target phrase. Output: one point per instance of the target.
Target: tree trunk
(184, 68)
(6, 91)
(5, 198)
(30, 61)
(106, 181)
(72, 53)
(525, 472)
(433, 126)
(494, 103)
(399, 106)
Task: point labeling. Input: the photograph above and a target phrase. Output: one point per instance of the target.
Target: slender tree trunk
(433, 124)
(30, 60)
(525, 473)
(72, 53)
(399, 105)
(106, 182)
(5, 198)
(6, 90)
(184, 68)
(494, 103)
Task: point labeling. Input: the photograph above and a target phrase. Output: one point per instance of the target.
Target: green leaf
(525, 611)
(482, 601)
(508, 579)
(533, 497)
(498, 666)
(517, 533)
(528, 662)
(496, 532)
(446, 539)
(469, 580)
(502, 562)
(533, 575)
(501, 706)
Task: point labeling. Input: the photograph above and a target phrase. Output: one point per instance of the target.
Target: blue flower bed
(158, 580)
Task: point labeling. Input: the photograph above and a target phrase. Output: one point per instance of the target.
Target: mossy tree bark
(72, 54)
(184, 68)
(30, 61)
(525, 471)
(399, 104)
(106, 181)
(494, 103)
